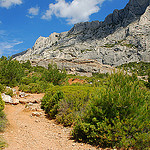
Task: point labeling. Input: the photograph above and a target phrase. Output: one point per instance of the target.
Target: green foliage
(2, 143)
(141, 68)
(2, 103)
(31, 88)
(100, 75)
(129, 45)
(39, 69)
(149, 76)
(109, 45)
(54, 75)
(69, 106)
(27, 65)
(2, 122)
(147, 84)
(11, 71)
(117, 116)
(33, 77)
(38, 87)
(9, 92)
(2, 88)
(50, 102)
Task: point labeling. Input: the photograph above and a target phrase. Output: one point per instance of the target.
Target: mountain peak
(124, 36)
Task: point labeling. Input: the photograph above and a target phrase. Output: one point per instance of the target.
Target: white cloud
(8, 46)
(33, 11)
(75, 11)
(8, 3)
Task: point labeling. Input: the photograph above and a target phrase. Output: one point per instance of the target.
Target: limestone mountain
(124, 36)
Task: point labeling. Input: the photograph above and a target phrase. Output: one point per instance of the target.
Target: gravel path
(27, 132)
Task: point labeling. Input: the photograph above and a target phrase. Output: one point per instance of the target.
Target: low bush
(38, 87)
(53, 75)
(2, 103)
(117, 116)
(2, 122)
(2, 88)
(9, 92)
(69, 104)
(31, 88)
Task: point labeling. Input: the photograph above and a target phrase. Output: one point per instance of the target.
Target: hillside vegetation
(141, 68)
(113, 113)
(104, 110)
(2, 118)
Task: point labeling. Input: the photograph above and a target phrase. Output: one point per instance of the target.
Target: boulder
(37, 114)
(7, 98)
(15, 101)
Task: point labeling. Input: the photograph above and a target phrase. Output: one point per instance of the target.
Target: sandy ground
(27, 132)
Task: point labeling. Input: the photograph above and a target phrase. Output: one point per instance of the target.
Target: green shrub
(54, 75)
(27, 65)
(26, 80)
(117, 116)
(2, 103)
(31, 88)
(70, 105)
(2, 88)
(141, 68)
(35, 88)
(24, 88)
(50, 102)
(38, 87)
(11, 71)
(2, 122)
(2, 143)
(9, 92)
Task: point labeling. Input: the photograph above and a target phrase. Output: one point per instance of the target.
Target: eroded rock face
(123, 37)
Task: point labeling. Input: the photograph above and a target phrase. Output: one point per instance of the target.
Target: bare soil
(27, 132)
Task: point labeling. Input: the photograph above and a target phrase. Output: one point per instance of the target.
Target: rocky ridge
(124, 36)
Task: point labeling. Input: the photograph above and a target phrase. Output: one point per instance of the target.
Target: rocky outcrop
(123, 37)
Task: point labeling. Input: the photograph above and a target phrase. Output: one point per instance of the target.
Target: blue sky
(23, 21)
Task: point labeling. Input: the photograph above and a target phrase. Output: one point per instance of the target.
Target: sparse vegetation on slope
(141, 68)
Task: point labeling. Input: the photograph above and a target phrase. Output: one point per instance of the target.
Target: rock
(14, 90)
(34, 107)
(15, 102)
(7, 98)
(123, 37)
(22, 94)
(37, 114)
(25, 101)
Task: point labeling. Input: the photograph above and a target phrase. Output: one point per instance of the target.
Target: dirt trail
(27, 132)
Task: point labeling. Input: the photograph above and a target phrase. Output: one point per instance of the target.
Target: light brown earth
(27, 132)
